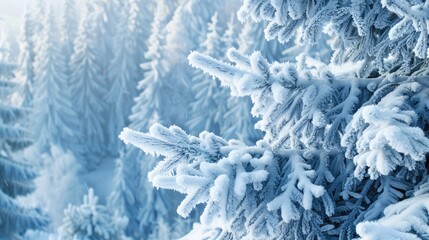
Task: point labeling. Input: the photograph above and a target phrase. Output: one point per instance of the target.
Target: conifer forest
(214, 120)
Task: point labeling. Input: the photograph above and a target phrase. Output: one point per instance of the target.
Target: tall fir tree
(142, 12)
(54, 120)
(88, 89)
(68, 31)
(104, 18)
(37, 14)
(5, 51)
(124, 74)
(25, 72)
(16, 177)
(230, 36)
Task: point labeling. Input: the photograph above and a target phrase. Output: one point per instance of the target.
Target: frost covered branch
(204, 167)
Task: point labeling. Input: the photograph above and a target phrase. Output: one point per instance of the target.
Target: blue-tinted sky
(11, 12)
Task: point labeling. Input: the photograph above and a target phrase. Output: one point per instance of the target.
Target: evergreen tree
(54, 120)
(88, 89)
(338, 148)
(91, 221)
(68, 29)
(124, 196)
(142, 12)
(16, 177)
(104, 16)
(124, 75)
(38, 13)
(25, 72)
(229, 38)
(104, 19)
(5, 54)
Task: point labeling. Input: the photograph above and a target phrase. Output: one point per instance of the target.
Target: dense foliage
(317, 128)
(16, 177)
(338, 147)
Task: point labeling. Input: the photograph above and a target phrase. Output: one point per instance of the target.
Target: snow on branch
(385, 135)
(407, 219)
(367, 31)
(301, 107)
(290, 99)
(92, 221)
(228, 176)
(299, 178)
(413, 15)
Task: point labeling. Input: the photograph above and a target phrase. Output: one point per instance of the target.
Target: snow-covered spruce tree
(132, 194)
(104, 16)
(124, 75)
(15, 177)
(38, 11)
(25, 72)
(229, 37)
(88, 89)
(5, 51)
(54, 120)
(124, 196)
(104, 19)
(91, 221)
(209, 106)
(339, 147)
(68, 31)
(142, 12)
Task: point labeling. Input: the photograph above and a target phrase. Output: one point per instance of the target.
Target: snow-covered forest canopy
(215, 120)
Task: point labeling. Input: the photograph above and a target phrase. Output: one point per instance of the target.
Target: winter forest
(215, 120)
